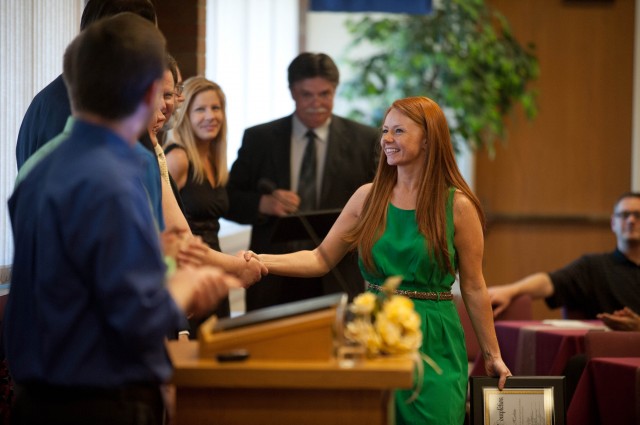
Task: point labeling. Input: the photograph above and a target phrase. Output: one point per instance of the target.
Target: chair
(612, 344)
(469, 335)
(600, 344)
(570, 314)
(519, 309)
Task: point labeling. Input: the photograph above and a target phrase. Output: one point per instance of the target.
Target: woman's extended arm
(469, 242)
(332, 249)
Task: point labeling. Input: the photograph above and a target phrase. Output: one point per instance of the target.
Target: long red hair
(439, 174)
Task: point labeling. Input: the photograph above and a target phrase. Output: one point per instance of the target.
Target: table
(283, 392)
(608, 393)
(540, 348)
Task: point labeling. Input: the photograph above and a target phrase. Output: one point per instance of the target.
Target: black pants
(573, 372)
(37, 404)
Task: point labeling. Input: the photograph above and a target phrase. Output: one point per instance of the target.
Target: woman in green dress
(418, 219)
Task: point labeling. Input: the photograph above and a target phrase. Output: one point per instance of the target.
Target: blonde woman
(196, 152)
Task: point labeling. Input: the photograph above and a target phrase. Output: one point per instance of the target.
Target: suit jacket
(351, 159)
(45, 119)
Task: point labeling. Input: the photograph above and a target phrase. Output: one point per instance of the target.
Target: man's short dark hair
(110, 66)
(311, 65)
(98, 9)
(626, 195)
(172, 66)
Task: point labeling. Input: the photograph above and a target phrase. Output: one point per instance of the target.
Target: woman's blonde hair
(439, 174)
(182, 132)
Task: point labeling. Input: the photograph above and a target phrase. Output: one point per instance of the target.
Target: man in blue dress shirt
(90, 304)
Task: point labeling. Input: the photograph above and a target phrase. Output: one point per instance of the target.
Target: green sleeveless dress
(401, 251)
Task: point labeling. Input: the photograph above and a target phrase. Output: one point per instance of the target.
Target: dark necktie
(307, 182)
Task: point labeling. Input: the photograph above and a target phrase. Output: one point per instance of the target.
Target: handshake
(190, 251)
(204, 276)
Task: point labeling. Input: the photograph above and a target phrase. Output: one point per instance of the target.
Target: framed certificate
(532, 400)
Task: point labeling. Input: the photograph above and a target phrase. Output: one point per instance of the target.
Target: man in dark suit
(282, 168)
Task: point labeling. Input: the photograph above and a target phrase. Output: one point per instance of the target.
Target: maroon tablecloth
(534, 348)
(608, 393)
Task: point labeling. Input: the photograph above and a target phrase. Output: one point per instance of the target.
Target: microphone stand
(268, 187)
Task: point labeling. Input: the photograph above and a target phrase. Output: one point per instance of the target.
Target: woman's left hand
(495, 367)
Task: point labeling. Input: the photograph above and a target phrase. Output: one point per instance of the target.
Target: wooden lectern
(290, 377)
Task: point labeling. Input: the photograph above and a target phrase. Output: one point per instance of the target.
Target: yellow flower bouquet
(387, 324)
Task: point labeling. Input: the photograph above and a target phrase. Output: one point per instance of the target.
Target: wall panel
(569, 165)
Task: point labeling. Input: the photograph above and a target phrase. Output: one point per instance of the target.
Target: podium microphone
(268, 187)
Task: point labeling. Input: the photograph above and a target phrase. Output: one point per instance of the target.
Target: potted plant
(462, 55)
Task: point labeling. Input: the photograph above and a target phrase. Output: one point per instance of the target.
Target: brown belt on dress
(420, 295)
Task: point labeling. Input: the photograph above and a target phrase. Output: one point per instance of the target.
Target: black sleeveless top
(203, 205)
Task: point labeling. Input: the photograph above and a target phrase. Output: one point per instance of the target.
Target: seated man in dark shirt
(604, 286)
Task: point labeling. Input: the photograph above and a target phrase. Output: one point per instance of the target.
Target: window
(33, 37)
(250, 44)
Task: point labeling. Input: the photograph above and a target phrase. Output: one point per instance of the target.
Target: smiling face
(157, 117)
(156, 122)
(403, 141)
(206, 116)
(314, 100)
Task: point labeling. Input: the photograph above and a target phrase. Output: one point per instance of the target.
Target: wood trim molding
(548, 219)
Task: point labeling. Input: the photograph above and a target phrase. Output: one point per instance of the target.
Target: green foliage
(463, 56)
